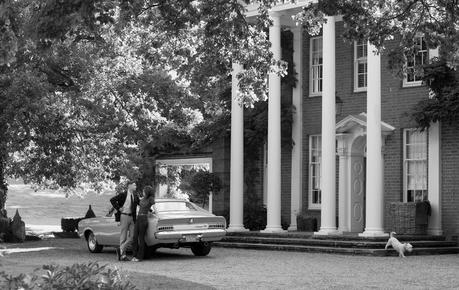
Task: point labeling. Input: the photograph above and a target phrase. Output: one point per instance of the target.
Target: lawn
(43, 210)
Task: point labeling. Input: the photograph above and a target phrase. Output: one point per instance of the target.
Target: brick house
(350, 158)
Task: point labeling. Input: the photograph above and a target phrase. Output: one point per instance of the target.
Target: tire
(149, 251)
(93, 246)
(201, 248)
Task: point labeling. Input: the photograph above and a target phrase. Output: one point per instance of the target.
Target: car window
(174, 206)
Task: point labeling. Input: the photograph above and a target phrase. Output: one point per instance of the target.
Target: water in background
(45, 208)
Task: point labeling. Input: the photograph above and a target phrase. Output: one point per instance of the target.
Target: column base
(292, 228)
(236, 228)
(328, 232)
(273, 229)
(373, 233)
(435, 232)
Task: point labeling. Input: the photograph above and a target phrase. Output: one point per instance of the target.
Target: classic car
(172, 223)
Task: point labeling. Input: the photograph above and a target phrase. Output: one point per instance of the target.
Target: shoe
(124, 258)
(118, 253)
(135, 260)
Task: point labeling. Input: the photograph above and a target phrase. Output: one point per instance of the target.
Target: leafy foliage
(90, 89)
(77, 276)
(444, 102)
(202, 183)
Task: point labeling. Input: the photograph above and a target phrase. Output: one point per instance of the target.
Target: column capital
(275, 17)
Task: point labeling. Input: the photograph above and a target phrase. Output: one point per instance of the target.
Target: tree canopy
(90, 88)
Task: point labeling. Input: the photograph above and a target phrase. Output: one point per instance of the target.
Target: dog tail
(392, 234)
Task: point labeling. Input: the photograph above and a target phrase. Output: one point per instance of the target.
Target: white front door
(357, 193)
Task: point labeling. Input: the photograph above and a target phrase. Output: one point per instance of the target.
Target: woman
(138, 247)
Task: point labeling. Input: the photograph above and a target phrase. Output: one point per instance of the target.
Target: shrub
(254, 216)
(70, 224)
(77, 276)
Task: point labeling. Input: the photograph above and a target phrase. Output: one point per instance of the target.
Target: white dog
(399, 247)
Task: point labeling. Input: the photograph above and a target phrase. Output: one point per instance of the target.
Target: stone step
(337, 250)
(345, 236)
(329, 242)
(399, 237)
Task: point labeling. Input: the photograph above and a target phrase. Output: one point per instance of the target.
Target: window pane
(316, 65)
(415, 171)
(416, 60)
(314, 169)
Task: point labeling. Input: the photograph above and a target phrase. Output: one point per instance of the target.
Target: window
(414, 165)
(414, 61)
(315, 156)
(315, 62)
(360, 66)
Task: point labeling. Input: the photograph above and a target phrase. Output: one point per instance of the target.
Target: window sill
(314, 207)
(313, 95)
(360, 90)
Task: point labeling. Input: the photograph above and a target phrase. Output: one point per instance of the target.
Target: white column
(296, 200)
(434, 173)
(274, 134)
(374, 184)
(343, 195)
(237, 157)
(328, 171)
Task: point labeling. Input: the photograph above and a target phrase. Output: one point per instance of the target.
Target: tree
(379, 21)
(83, 83)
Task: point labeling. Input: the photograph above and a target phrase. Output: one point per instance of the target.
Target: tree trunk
(3, 185)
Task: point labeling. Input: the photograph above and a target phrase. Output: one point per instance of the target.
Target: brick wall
(221, 166)
(396, 104)
(450, 179)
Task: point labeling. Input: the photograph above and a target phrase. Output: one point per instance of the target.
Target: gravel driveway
(250, 269)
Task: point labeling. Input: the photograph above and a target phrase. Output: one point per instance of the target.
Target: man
(126, 205)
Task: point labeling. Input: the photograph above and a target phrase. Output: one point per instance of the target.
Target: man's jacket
(118, 201)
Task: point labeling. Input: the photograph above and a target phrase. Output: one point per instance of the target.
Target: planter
(407, 218)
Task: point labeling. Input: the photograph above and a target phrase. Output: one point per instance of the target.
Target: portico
(357, 140)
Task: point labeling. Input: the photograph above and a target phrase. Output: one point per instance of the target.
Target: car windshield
(174, 206)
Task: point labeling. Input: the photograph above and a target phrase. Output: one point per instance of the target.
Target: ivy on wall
(443, 104)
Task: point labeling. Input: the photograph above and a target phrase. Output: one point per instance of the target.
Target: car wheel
(93, 246)
(149, 251)
(201, 249)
